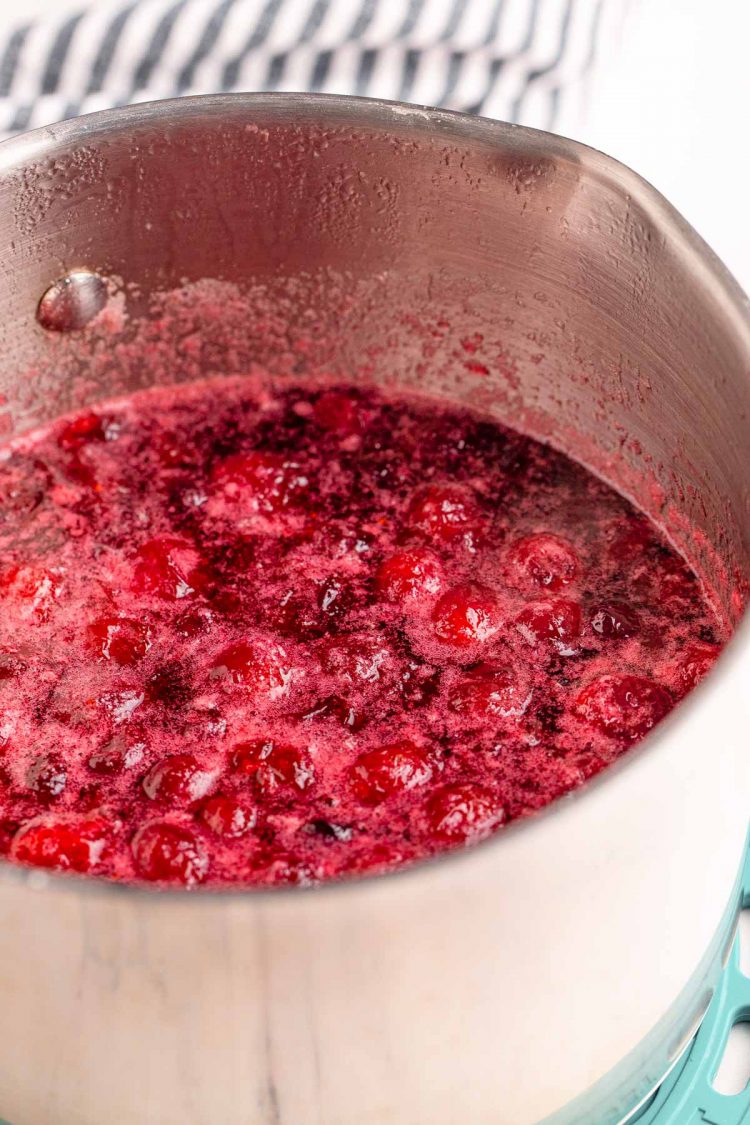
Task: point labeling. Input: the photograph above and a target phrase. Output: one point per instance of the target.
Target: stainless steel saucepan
(555, 971)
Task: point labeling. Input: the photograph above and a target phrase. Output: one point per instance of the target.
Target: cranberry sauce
(253, 637)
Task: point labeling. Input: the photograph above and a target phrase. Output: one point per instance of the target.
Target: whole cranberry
(273, 766)
(358, 659)
(47, 776)
(120, 639)
(227, 817)
(170, 567)
(123, 752)
(694, 663)
(463, 813)
(169, 853)
(557, 620)
(31, 590)
(544, 560)
(260, 665)
(83, 429)
(351, 716)
(624, 706)
(445, 512)
(65, 843)
(283, 869)
(194, 623)
(264, 481)
(380, 773)
(466, 615)
(491, 690)
(613, 621)
(178, 779)
(11, 664)
(409, 576)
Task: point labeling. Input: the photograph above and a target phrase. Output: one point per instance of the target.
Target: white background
(673, 103)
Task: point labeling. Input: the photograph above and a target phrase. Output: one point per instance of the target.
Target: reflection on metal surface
(72, 301)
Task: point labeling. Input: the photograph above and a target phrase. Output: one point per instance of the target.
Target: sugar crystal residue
(256, 634)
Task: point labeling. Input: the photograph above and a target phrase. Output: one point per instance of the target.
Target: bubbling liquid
(257, 635)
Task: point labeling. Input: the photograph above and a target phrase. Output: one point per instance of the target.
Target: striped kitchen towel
(513, 59)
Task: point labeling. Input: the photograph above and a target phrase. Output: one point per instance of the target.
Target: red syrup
(253, 637)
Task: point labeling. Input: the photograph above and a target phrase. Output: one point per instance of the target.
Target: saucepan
(556, 971)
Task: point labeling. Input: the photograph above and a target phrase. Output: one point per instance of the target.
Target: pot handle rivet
(72, 301)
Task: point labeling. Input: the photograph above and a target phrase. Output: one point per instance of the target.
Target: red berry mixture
(257, 635)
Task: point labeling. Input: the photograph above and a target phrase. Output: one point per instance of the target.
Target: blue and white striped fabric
(512, 59)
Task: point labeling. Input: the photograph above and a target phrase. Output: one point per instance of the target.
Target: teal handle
(687, 1096)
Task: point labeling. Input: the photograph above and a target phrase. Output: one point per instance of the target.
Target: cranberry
(228, 817)
(32, 589)
(11, 665)
(557, 620)
(47, 776)
(169, 567)
(121, 705)
(64, 843)
(178, 780)
(445, 512)
(260, 665)
(81, 430)
(466, 615)
(273, 765)
(491, 690)
(463, 814)
(613, 620)
(409, 575)
(358, 660)
(194, 624)
(169, 853)
(334, 707)
(544, 560)
(8, 829)
(622, 705)
(337, 412)
(380, 773)
(121, 639)
(286, 870)
(119, 754)
(269, 482)
(697, 660)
